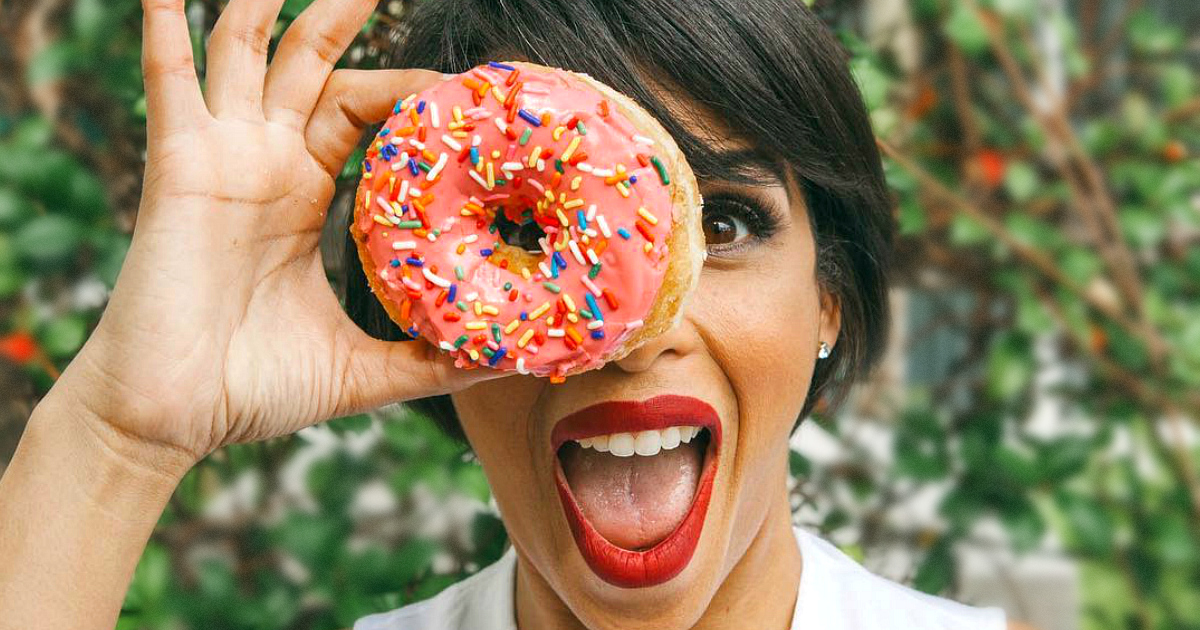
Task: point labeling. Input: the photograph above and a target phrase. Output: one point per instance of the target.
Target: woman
(222, 328)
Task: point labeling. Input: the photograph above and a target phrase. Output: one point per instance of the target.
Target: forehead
(714, 149)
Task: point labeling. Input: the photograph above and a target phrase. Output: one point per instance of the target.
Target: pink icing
(630, 274)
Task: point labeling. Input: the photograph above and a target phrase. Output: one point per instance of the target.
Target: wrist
(64, 417)
(76, 509)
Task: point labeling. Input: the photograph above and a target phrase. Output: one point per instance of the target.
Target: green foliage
(1132, 526)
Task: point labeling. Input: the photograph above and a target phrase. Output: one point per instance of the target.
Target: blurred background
(1030, 441)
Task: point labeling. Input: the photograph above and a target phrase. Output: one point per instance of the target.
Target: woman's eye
(732, 221)
(723, 229)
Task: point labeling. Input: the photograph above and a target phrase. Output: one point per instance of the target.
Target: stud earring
(824, 351)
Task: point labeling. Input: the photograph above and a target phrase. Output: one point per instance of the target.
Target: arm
(190, 353)
(76, 510)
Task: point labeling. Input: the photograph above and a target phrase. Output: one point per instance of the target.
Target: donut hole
(523, 235)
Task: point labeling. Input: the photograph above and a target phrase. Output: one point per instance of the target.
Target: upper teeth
(642, 443)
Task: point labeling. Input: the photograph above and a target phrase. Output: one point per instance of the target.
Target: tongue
(633, 502)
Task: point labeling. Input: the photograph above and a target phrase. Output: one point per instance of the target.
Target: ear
(830, 325)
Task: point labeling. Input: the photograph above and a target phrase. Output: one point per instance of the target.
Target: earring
(824, 351)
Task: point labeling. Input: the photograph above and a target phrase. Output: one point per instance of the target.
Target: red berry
(19, 347)
(992, 165)
(1175, 151)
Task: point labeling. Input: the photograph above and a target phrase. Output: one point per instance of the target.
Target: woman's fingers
(352, 100)
(173, 98)
(383, 372)
(306, 56)
(237, 58)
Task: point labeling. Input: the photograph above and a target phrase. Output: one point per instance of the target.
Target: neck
(759, 592)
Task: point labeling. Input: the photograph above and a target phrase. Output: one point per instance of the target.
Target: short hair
(769, 69)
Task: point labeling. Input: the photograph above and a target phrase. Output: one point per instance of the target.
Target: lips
(640, 497)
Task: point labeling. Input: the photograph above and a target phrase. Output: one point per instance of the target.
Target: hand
(222, 326)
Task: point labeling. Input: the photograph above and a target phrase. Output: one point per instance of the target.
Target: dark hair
(773, 73)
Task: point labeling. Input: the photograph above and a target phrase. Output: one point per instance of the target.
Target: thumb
(352, 100)
(379, 373)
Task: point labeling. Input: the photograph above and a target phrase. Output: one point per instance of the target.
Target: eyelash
(759, 215)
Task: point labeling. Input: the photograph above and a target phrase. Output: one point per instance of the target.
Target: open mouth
(635, 480)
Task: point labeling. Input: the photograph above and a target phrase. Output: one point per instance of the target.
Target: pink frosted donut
(527, 218)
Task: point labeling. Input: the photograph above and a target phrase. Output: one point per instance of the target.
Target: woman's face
(746, 347)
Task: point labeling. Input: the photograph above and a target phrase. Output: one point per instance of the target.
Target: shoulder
(483, 601)
(833, 585)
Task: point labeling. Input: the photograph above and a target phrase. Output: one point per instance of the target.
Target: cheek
(496, 417)
(761, 321)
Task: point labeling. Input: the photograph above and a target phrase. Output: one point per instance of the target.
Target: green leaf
(1150, 35)
(1178, 84)
(52, 63)
(1064, 458)
(873, 82)
(216, 580)
(799, 465)
(979, 437)
(1090, 526)
(1022, 9)
(33, 133)
(937, 570)
(472, 482)
(111, 257)
(413, 559)
(433, 585)
(1010, 366)
(1021, 181)
(64, 336)
(353, 424)
(1033, 231)
(837, 518)
(313, 539)
(926, 10)
(967, 231)
(1032, 315)
(488, 537)
(920, 446)
(1100, 137)
(82, 194)
(12, 278)
(1125, 349)
(1080, 264)
(48, 239)
(89, 19)
(912, 217)
(1025, 526)
(1143, 227)
(1146, 568)
(352, 169)
(150, 579)
(14, 209)
(1172, 541)
(56, 179)
(293, 8)
(965, 30)
(1016, 467)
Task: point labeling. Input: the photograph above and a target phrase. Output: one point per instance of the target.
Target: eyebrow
(739, 166)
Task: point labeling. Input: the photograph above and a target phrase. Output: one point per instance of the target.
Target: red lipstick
(624, 567)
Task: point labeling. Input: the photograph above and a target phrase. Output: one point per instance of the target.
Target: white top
(835, 593)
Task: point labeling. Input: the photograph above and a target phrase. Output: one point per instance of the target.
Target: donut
(528, 218)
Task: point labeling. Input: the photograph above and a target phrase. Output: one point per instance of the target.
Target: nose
(681, 340)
